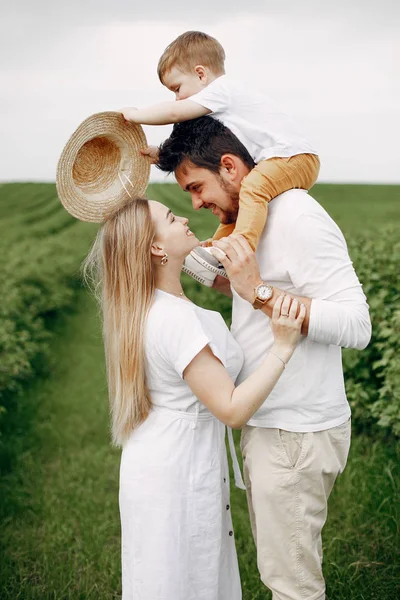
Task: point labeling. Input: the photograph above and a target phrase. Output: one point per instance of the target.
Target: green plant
(373, 375)
(41, 249)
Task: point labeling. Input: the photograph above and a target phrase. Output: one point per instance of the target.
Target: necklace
(180, 295)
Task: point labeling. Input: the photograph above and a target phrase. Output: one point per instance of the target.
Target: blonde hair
(190, 49)
(120, 271)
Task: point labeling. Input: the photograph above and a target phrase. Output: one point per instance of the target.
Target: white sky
(333, 65)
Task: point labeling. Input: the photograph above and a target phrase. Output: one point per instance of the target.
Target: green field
(354, 207)
(59, 487)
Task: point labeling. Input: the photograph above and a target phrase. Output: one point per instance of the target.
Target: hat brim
(101, 167)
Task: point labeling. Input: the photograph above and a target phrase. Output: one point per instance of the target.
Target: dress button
(227, 507)
(231, 533)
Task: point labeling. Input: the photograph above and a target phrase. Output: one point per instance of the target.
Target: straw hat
(101, 167)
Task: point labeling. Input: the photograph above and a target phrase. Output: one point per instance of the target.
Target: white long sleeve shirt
(302, 251)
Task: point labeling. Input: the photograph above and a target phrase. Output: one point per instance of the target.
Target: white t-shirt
(176, 331)
(259, 124)
(302, 251)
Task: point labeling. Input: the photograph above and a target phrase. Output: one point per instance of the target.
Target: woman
(171, 368)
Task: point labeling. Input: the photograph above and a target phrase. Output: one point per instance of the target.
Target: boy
(192, 67)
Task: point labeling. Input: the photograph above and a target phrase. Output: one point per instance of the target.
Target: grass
(60, 533)
(59, 492)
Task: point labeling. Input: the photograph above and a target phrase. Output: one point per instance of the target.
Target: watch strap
(259, 303)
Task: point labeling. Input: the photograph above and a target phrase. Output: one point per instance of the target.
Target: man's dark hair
(203, 142)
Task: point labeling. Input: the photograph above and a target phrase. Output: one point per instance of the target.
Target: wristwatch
(262, 293)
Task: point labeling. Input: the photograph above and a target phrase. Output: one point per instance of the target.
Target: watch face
(264, 292)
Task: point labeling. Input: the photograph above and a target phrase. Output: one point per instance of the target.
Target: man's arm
(241, 266)
(268, 306)
(222, 285)
(165, 113)
(321, 267)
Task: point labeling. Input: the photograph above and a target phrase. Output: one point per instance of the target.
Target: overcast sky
(335, 66)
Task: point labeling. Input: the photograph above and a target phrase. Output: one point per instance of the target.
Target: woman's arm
(210, 382)
(165, 113)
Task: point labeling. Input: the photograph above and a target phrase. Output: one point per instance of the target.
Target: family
(177, 377)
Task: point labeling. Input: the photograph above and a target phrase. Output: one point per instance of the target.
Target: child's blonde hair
(190, 49)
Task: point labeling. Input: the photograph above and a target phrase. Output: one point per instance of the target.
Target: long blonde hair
(119, 268)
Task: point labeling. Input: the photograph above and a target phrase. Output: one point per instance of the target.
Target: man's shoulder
(295, 202)
(287, 208)
(297, 213)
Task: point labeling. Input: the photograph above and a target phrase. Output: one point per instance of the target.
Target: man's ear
(157, 250)
(229, 165)
(233, 168)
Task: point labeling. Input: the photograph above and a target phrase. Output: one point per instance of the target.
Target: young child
(192, 67)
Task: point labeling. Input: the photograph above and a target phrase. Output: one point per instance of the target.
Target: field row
(42, 248)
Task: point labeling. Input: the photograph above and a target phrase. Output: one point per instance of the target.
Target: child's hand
(152, 152)
(129, 113)
(206, 243)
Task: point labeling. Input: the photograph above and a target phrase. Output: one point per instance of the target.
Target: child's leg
(296, 172)
(267, 180)
(223, 231)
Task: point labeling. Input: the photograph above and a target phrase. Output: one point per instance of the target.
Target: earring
(164, 259)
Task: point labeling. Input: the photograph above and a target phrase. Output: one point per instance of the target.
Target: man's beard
(230, 216)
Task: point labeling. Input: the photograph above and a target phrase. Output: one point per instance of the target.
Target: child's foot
(203, 266)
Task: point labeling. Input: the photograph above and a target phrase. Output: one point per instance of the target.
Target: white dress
(177, 535)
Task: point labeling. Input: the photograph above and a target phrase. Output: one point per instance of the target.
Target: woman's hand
(287, 319)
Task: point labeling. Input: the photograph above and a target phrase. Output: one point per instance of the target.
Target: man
(297, 443)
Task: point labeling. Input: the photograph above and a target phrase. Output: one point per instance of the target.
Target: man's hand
(239, 261)
(241, 266)
(152, 152)
(222, 285)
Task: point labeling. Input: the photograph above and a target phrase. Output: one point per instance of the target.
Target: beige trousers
(289, 477)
